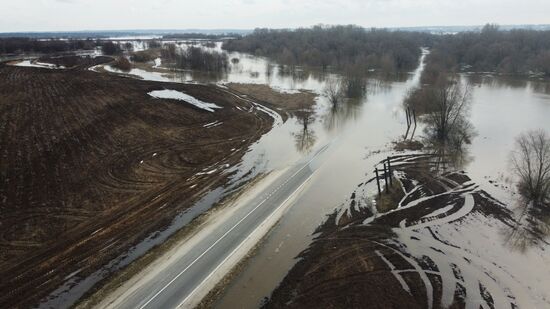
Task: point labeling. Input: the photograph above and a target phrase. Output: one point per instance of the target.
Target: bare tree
(447, 105)
(333, 91)
(531, 164)
(305, 138)
(169, 53)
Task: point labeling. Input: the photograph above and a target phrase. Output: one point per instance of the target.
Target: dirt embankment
(293, 102)
(90, 164)
(430, 252)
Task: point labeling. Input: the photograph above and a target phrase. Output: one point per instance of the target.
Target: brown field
(263, 93)
(90, 164)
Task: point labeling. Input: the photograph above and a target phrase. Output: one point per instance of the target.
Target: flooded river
(360, 134)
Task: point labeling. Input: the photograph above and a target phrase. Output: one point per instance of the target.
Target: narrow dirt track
(90, 164)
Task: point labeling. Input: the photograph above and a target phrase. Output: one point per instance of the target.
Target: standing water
(360, 133)
(363, 140)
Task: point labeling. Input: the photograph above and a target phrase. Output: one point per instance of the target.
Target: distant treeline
(27, 45)
(336, 46)
(200, 36)
(50, 46)
(492, 50)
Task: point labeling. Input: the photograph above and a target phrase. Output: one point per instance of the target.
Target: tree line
(340, 47)
(28, 45)
(200, 36)
(355, 49)
(516, 51)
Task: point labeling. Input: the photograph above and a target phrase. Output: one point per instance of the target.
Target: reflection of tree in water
(296, 73)
(269, 68)
(444, 109)
(341, 113)
(375, 85)
(450, 156)
(530, 162)
(209, 77)
(305, 138)
(509, 82)
(345, 94)
(527, 230)
(541, 87)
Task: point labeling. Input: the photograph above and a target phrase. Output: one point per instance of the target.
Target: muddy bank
(445, 244)
(291, 101)
(91, 164)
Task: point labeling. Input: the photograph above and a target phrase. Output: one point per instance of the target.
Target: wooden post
(378, 182)
(389, 171)
(386, 177)
(414, 117)
(408, 122)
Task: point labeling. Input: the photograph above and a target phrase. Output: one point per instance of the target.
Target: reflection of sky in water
(502, 110)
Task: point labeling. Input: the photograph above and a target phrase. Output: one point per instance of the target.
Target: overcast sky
(69, 15)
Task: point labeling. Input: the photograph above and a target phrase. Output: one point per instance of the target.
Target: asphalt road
(175, 283)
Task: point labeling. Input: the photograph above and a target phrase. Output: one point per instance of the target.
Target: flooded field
(358, 133)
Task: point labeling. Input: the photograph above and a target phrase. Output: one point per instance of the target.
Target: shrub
(122, 63)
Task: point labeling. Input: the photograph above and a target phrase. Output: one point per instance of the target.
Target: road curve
(178, 280)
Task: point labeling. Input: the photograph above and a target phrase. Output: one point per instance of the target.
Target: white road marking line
(219, 239)
(242, 243)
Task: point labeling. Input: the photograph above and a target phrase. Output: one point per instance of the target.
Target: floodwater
(360, 132)
(502, 108)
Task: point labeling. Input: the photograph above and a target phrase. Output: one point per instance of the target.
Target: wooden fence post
(378, 182)
(389, 171)
(386, 177)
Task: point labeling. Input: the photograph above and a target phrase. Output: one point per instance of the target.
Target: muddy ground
(90, 164)
(294, 102)
(440, 247)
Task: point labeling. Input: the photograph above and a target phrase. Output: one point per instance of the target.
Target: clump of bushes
(144, 56)
(110, 48)
(155, 44)
(195, 58)
(122, 63)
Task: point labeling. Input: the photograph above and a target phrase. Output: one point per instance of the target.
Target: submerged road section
(181, 279)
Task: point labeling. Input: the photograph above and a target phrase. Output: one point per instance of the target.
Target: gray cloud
(61, 15)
